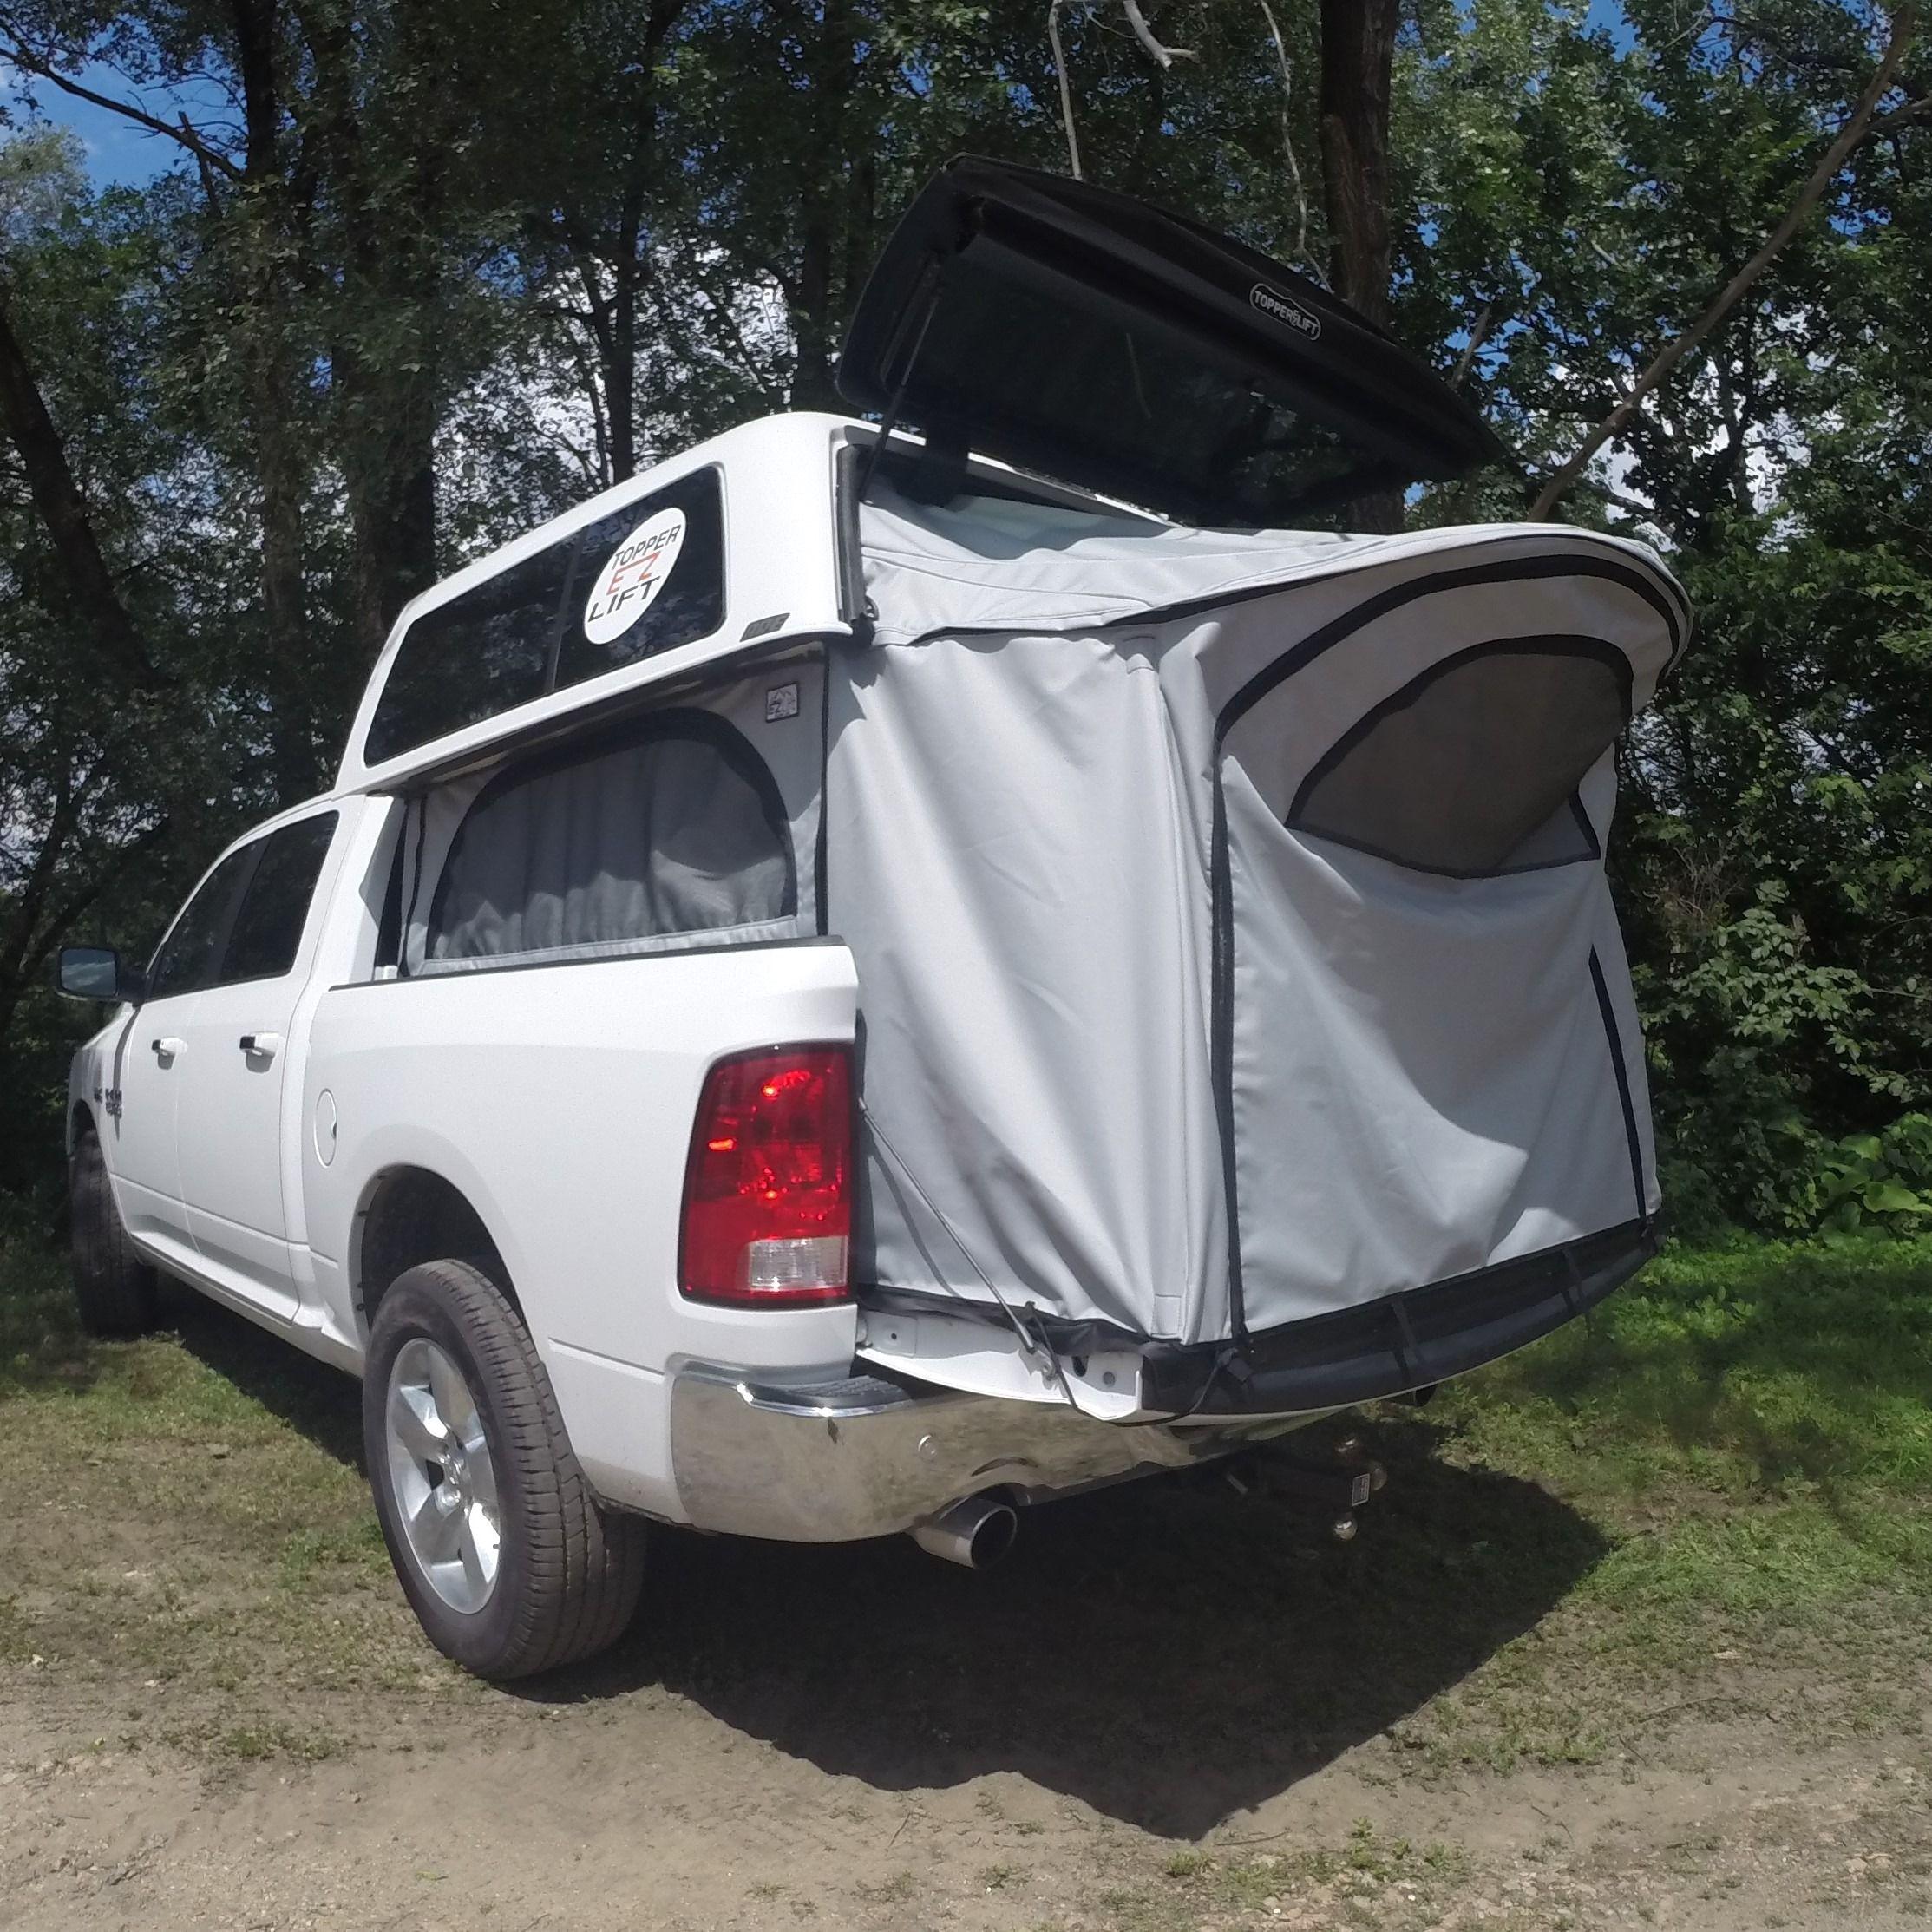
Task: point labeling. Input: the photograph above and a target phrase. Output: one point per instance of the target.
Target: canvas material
(1020, 831)
(1012, 863)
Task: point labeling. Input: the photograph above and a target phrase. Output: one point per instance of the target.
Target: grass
(1711, 1495)
(189, 1505)
(1750, 1428)
(1371, 1878)
(1754, 1424)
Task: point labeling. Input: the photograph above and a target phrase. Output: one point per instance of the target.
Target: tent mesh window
(1471, 769)
(675, 828)
(522, 633)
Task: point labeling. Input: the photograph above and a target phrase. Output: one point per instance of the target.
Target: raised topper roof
(1087, 336)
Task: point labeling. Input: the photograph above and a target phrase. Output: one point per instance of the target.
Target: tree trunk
(1357, 59)
(273, 389)
(63, 511)
(385, 403)
(820, 294)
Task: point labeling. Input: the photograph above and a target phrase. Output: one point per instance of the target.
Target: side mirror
(96, 973)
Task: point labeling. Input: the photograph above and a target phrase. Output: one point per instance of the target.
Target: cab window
(246, 922)
(274, 908)
(187, 958)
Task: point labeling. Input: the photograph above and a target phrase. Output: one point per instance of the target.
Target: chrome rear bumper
(837, 1461)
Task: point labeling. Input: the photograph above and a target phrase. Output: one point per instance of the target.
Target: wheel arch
(409, 1215)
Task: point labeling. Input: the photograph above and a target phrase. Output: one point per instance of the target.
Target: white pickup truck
(843, 987)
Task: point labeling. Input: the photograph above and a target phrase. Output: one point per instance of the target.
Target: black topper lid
(1089, 336)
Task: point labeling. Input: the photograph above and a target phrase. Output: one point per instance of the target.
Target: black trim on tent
(1584, 824)
(1642, 583)
(1593, 650)
(1614, 1036)
(1085, 335)
(1402, 1341)
(1399, 1342)
(1649, 587)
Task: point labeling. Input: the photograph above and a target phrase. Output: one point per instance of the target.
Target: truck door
(230, 1121)
(143, 1140)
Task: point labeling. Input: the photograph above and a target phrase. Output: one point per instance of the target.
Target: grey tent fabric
(1140, 1049)
(1010, 861)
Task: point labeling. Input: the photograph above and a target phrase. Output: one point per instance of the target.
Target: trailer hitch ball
(1343, 1530)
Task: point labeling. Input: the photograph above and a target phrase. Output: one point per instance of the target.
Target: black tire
(568, 1572)
(117, 1291)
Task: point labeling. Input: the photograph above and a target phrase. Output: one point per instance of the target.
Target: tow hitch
(1334, 1485)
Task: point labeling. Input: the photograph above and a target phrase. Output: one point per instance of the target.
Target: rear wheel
(504, 1554)
(116, 1290)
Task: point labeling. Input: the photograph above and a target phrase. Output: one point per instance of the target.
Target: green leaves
(1878, 1178)
(488, 256)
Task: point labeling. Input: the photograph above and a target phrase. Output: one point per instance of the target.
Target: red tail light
(767, 1190)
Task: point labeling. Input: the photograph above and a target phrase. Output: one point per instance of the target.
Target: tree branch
(1477, 336)
(36, 947)
(1853, 131)
(17, 51)
(1066, 91)
(1163, 56)
(1288, 130)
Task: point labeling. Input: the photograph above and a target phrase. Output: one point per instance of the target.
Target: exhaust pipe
(977, 1533)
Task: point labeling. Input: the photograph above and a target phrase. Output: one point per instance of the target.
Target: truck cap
(1089, 336)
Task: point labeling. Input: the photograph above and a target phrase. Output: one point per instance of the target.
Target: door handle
(266, 1044)
(166, 1047)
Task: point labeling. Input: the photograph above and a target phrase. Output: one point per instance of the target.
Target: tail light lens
(767, 1190)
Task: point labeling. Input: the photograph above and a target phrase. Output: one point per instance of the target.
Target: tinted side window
(186, 960)
(644, 578)
(650, 577)
(268, 928)
(480, 653)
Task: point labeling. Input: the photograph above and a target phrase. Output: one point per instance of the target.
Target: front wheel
(117, 1291)
(505, 1556)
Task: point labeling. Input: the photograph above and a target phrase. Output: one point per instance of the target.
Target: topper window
(643, 580)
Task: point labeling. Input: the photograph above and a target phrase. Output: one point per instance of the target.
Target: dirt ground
(625, 1805)
(1171, 1710)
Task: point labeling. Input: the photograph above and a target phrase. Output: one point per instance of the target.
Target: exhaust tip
(975, 1534)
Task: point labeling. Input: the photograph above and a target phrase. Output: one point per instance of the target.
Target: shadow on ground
(321, 1402)
(1166, 1652)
